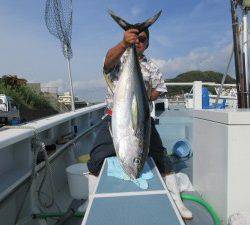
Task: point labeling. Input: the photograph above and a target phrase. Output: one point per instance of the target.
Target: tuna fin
(122, 23)
(110, 131)
(143, 26)
(134, 114)
(109, 83)
(140, 26)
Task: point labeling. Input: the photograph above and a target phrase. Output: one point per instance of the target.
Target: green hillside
(32, 105)
(205, 76)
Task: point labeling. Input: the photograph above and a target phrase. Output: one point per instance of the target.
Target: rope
(47, 170)
(37, 146)
(224, 78)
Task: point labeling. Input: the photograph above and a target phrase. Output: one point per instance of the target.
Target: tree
(191, 76)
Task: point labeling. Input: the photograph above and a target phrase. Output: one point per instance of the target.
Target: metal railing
(197, 91)
(85, 119)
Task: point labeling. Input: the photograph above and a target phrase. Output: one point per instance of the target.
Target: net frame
(58, 19)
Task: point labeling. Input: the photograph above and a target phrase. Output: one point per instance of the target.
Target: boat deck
(110, 210)
(173, 127)
(117, 201)
(200, 215)
(108, 207)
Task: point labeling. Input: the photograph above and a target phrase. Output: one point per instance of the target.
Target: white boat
(34, 187)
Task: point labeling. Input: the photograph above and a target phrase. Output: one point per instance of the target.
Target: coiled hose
(208, 207)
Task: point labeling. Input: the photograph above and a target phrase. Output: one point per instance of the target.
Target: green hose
(193, 198)
(208, 207)
(55, 214)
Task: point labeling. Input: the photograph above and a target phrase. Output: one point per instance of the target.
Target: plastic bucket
(182, 148)
(15, 121)
(78, 180)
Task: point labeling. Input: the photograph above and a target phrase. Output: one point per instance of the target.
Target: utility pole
(241, 52)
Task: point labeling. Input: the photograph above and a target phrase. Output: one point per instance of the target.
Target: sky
(189, 35)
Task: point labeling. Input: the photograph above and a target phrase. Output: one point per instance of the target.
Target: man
(154, 82)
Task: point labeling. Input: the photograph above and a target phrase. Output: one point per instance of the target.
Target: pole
(245, 58)
(197, 94)
(71, 87)
(237, 56)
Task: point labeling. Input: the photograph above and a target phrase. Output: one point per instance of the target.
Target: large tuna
(131, 112)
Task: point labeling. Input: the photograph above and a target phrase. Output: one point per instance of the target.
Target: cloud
(89, 84)
(135, 11)
(83, 85)
(204, 5)
(198, 59)
(162, 40)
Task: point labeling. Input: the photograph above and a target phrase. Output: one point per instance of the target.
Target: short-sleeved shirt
(152, 76)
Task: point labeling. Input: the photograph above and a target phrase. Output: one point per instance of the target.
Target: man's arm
(114, 54)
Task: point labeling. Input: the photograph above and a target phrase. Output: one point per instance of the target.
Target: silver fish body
(131, 123)
(131, 117)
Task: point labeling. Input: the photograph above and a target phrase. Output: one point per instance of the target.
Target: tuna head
(131, 155)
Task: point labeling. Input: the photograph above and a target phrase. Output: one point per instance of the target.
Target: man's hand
(130, 37)
(114, 54)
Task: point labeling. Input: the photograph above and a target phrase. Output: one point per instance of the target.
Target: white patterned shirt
(150, 71)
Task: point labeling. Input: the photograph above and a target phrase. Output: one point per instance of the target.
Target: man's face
(141, 43)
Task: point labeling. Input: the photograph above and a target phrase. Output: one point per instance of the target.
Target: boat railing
(196, 92)
(16, 144)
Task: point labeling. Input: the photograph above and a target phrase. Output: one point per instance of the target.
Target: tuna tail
(140, 26)
(121, 22)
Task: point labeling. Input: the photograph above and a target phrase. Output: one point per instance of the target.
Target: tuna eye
(137, 161)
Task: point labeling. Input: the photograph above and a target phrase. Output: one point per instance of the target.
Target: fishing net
(58, 18)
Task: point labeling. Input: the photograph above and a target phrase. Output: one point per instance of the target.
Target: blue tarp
(206, 104)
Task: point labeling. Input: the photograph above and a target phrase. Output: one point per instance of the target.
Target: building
(65, 98)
